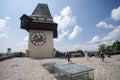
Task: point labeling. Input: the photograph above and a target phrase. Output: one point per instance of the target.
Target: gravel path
(32, 69)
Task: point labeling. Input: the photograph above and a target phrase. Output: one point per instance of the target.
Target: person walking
(68, 57)
(102, 55)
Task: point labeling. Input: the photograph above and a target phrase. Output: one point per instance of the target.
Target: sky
(82, 24)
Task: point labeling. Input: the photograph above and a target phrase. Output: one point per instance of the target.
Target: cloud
(103, 24)
(21, 46)
(95, 39)
(78, 46)
(89, 47)
(115, 14)
(66, 47)
(62, 35)
(77, 31)
(65, 18)
(3, 35)
(25, 41)
(113, 35)
(7, 18)
(66, 11)
(3, 23)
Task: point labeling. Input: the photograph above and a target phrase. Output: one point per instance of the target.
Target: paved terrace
(31, 69)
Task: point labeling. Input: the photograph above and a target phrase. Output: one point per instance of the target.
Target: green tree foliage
(18, 54)
(79, 53)
(59, 54)
(110, 49)
(0, 54)
(102, 47)
(116, 46)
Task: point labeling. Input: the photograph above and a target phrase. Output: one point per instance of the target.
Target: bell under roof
(41, 10)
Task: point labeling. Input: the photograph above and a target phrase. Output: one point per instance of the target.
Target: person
(86, 55)
(8, 51)
(65, 54)
(68, 57)
(102, 56)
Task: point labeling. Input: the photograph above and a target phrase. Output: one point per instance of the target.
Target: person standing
(8, 51)
(86, 55)
(102, 56)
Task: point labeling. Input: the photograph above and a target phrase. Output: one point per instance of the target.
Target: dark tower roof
(34, 22)
(42, 10)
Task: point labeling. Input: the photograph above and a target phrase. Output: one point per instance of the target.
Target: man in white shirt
(86, 55)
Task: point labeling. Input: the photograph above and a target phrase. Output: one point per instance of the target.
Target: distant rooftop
(41, 10)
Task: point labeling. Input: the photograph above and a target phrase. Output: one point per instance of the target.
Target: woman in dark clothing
(68, 57)
(102, 56)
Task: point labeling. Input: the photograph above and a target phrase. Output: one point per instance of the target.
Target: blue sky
(82, 24)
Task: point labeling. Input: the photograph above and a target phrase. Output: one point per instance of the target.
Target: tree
(79, 53)
(116, 46)
(102, 47)
(18, 54)
(0, 54)
(109, 48)
(59, 54)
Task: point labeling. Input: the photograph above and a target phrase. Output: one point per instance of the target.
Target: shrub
(78, 55)
(114, 53)
(59, 54)
(0, 54)
(91, 54)
(19, 54)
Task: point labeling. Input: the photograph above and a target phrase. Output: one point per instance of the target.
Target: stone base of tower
(45, 50)
(40, 55)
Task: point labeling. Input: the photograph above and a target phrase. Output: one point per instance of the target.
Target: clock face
(38, 38)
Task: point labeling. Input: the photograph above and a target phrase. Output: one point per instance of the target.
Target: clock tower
(41, 30)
